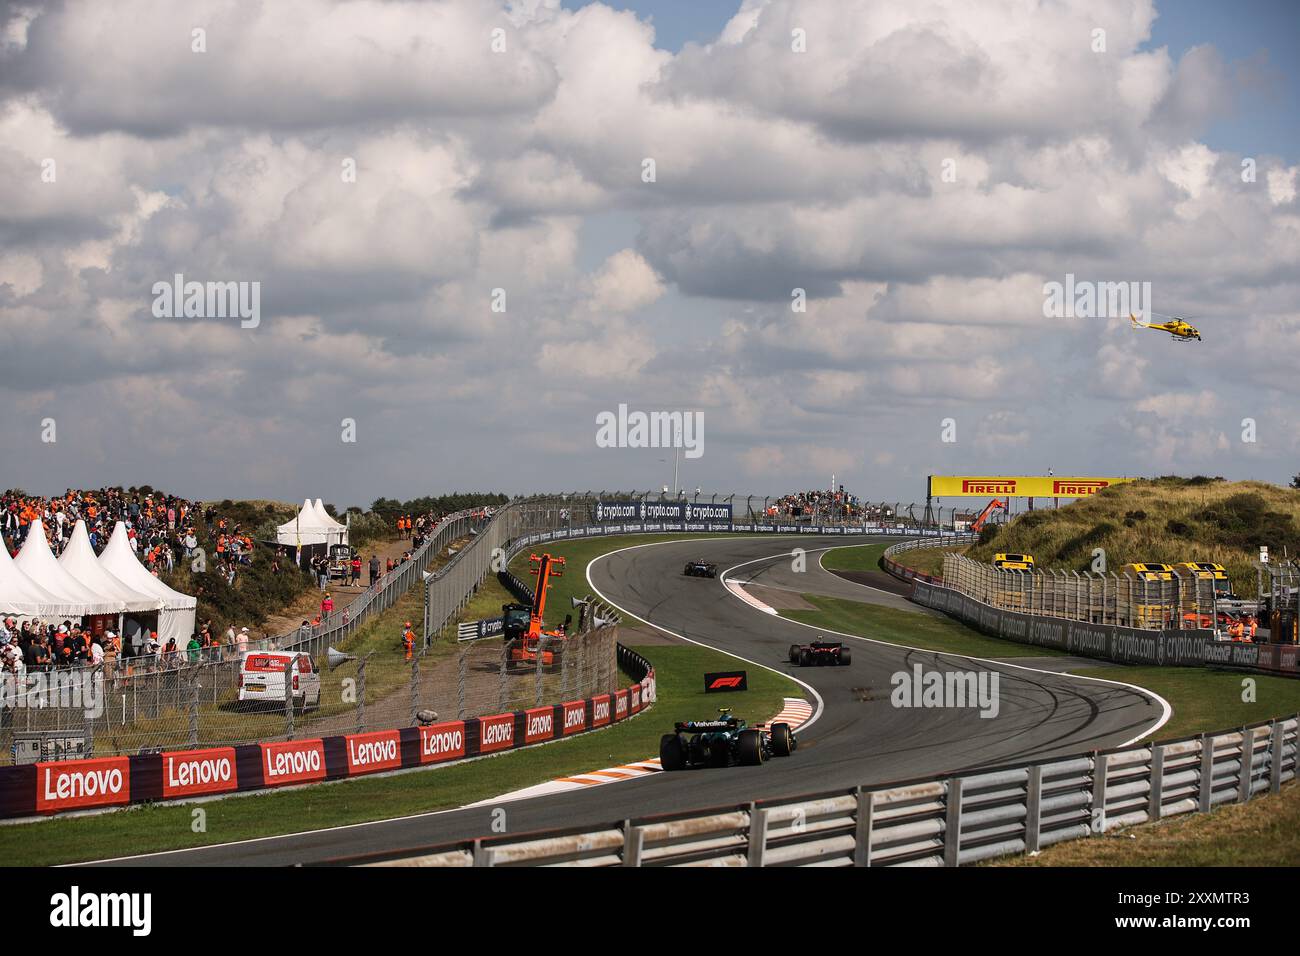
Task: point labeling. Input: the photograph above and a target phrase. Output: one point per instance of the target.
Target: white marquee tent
(311, 526)
(325, 518)
(79, 559)
(37, 562)
(23, 597)
(176, 617)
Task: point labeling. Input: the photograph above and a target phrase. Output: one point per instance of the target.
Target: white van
(261, 677)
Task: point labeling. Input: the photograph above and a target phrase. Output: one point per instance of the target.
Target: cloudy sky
(921, 168)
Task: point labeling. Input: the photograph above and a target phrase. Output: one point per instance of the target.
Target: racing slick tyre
(782, 740)
(749, 748)
(845, 656)
(794, 653)
(687, 571)
(805, 658)
(672, 752)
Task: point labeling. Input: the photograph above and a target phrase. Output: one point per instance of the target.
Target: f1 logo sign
(725, 681)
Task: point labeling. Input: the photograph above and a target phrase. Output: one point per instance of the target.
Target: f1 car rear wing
(705, 725)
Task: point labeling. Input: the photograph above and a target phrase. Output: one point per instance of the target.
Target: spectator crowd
(163, 530)
(819, 504)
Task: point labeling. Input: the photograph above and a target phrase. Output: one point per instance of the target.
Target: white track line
(681, 637)
(1166, 710)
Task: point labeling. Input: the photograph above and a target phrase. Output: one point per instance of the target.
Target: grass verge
(1264, 832)
(679, 674)
(861, 557)
(1208, 700)
(926, 631)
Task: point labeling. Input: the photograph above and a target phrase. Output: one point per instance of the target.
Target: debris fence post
(288, 698)
(501, 675)
(192, 704)
(462, 678)
(415, 689)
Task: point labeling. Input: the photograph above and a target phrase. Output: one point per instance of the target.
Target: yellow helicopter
(1176, 326)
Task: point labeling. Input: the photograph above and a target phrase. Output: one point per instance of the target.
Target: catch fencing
(949, 821)
(47, 787)
(139, 705)
(1185, 601)
(101, 711)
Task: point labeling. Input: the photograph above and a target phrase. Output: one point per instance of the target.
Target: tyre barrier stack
(100, 782)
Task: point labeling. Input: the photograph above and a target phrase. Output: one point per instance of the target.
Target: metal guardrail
(952, 821)
(911, 574)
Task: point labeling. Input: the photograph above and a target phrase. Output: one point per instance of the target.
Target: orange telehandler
(978, 524)
(523, 625)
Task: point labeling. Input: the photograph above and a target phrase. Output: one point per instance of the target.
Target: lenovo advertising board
(189, 773)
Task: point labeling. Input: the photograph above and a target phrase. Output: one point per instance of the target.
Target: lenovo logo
(496, 733)
(198, 771)
(575, 717)
(292, 762)
(83, 783)
(376, 752)
(442, 742)
(540, 725)
(988, 486)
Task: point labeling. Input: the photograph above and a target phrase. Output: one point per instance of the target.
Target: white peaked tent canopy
(311, 527)
(325, 518)
(79, 558)
(176, 618)
(21, 596)
(37, 562)
(336, 528)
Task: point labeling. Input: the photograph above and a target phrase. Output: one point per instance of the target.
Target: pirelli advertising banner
(1017, 486)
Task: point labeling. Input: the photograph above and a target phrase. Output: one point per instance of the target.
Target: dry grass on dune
(1162, 519)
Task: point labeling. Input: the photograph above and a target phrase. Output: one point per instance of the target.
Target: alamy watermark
(77, 690)
(1083, 299)
(636, 429)
(179, 299)
(947, 690)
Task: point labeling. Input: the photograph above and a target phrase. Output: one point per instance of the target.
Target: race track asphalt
(857, 738)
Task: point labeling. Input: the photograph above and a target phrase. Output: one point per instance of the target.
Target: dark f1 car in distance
(700, 569)
(820, 653)
(722, 742)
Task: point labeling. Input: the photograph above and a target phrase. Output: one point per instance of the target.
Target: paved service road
(857, 737)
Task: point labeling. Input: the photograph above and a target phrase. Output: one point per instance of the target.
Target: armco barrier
(940, 540)
(55, 787)
(949, 821)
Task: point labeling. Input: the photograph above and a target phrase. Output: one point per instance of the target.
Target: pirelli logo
(1078, 489)
(1020, 486)
(988, 486)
